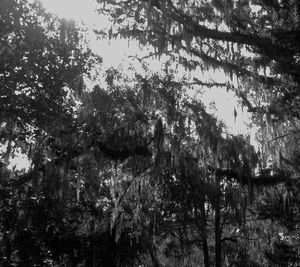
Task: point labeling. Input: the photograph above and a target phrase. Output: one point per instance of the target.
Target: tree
(254, 42)
(42, 60)
(40, 56)
(135, 171)
(198, 176)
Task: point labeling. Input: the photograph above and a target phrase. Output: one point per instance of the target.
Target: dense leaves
(255, 44)
(135, 171)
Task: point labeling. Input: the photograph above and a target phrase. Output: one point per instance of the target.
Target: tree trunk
(203, 234)
(217, 223)
(7, 250)
(153, 256)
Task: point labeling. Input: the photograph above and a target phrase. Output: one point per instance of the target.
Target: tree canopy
(135, 171)
(255, 41)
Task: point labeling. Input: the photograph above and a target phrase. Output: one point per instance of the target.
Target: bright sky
(74, 9)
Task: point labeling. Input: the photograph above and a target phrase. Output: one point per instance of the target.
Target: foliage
(41, 57)
(135, 171)
(217, 34)
(255, 43)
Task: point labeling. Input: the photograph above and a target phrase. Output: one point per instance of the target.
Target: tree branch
(198, 82)
(264, 43)
(228, 66)
(284, 135)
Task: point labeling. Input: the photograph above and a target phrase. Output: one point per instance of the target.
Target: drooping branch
(263, 43)
(124, 152)
(213, 84)
(265, 178)
(228, 66)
